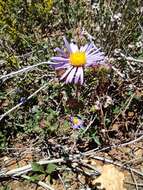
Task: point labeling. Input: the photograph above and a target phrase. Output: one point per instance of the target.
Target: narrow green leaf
(51, 168)
(37, 167)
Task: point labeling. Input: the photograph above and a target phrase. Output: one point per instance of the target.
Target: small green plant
(39, 170)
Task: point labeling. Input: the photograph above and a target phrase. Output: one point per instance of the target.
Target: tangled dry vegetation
(39, 149)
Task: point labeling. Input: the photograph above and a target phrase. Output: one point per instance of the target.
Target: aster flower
(76, 122)
(74, 60)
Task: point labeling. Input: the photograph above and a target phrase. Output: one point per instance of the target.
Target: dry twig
(94, 151)
(118, 72)
(25, 69)
(117, 164)
(139, 184)
(22, 170)
(134, 179)
(21, 103)
(131, 58)
(62, 182)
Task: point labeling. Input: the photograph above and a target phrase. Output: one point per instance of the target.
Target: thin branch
(88, 126)
(26, 69)
(112, 146)
(129, 102)
(139, 184)
(96, 171)
(131, 142)
(21, 103)
(117, 164)
(131, 58)
(118, 72)
(23, 170)
(20, 149)
(62, 182)
(9, 111)
(134, 179)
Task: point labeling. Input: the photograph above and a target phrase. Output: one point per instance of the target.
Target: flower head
(74, 60)
(77, 122)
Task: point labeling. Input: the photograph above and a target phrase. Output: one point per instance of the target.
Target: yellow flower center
(77, 59)
(75, 120)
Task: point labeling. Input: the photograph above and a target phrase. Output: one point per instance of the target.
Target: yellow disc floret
(75, 120)
(77, 59)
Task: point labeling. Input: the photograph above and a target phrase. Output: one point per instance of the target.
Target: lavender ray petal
(53, 63)
(77, 75)
(84, 48)
(59, 59)
(95, 62)
(66, 73)
(81, 76)
(61, 52)
(95, 52)
(70, 77)
(62, 66)
(75, 126)
(99, 54)
(74, 47)
(89, 51)
(94, 46)
(58, 65)
(95, 58)
(67, 45)
(90, 46)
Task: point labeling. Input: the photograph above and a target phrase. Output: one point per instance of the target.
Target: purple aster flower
(74, 60)
(77, 122)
